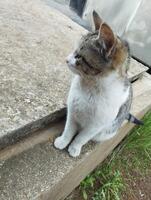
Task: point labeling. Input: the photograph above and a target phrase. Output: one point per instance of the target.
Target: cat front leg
(81, 139)
(70, 130)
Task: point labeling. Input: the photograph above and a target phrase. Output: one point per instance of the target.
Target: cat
(100, 96)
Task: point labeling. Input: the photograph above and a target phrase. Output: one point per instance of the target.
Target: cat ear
(97, 20)
(107, 36)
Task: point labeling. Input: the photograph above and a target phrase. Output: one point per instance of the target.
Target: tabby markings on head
(100, 52)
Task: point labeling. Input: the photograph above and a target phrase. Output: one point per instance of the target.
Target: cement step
(34, 79)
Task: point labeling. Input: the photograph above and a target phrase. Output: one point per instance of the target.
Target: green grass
(108, 181)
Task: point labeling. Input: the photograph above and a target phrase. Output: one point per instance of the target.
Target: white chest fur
(92, 105)
(97, 102)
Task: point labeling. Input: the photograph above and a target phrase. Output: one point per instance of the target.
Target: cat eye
(77, 56)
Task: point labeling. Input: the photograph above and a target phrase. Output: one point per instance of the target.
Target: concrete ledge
(34, 80)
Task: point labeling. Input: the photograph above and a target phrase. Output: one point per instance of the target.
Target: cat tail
(134, 120)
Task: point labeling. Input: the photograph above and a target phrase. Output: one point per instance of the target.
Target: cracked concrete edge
(30, 128)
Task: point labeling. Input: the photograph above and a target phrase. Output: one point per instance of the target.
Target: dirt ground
(138, 188)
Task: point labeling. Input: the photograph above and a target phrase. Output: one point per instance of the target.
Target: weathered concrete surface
(34, 79)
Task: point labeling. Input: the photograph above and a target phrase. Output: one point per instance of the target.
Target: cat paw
(60, 143)
(74, 151)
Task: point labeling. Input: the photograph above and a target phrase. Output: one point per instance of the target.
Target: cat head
(99, 52)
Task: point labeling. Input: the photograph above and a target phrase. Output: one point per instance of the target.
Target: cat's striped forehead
(91, 49)
(87, 39)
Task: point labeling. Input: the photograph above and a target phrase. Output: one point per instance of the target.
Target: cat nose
(71, 59)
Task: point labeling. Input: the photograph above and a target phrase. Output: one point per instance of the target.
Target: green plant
(111, 189)
(86, 184)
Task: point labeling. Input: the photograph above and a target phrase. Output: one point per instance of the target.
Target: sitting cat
(100, 95)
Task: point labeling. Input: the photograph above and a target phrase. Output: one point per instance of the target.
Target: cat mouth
(73, 68)
(70, 64)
